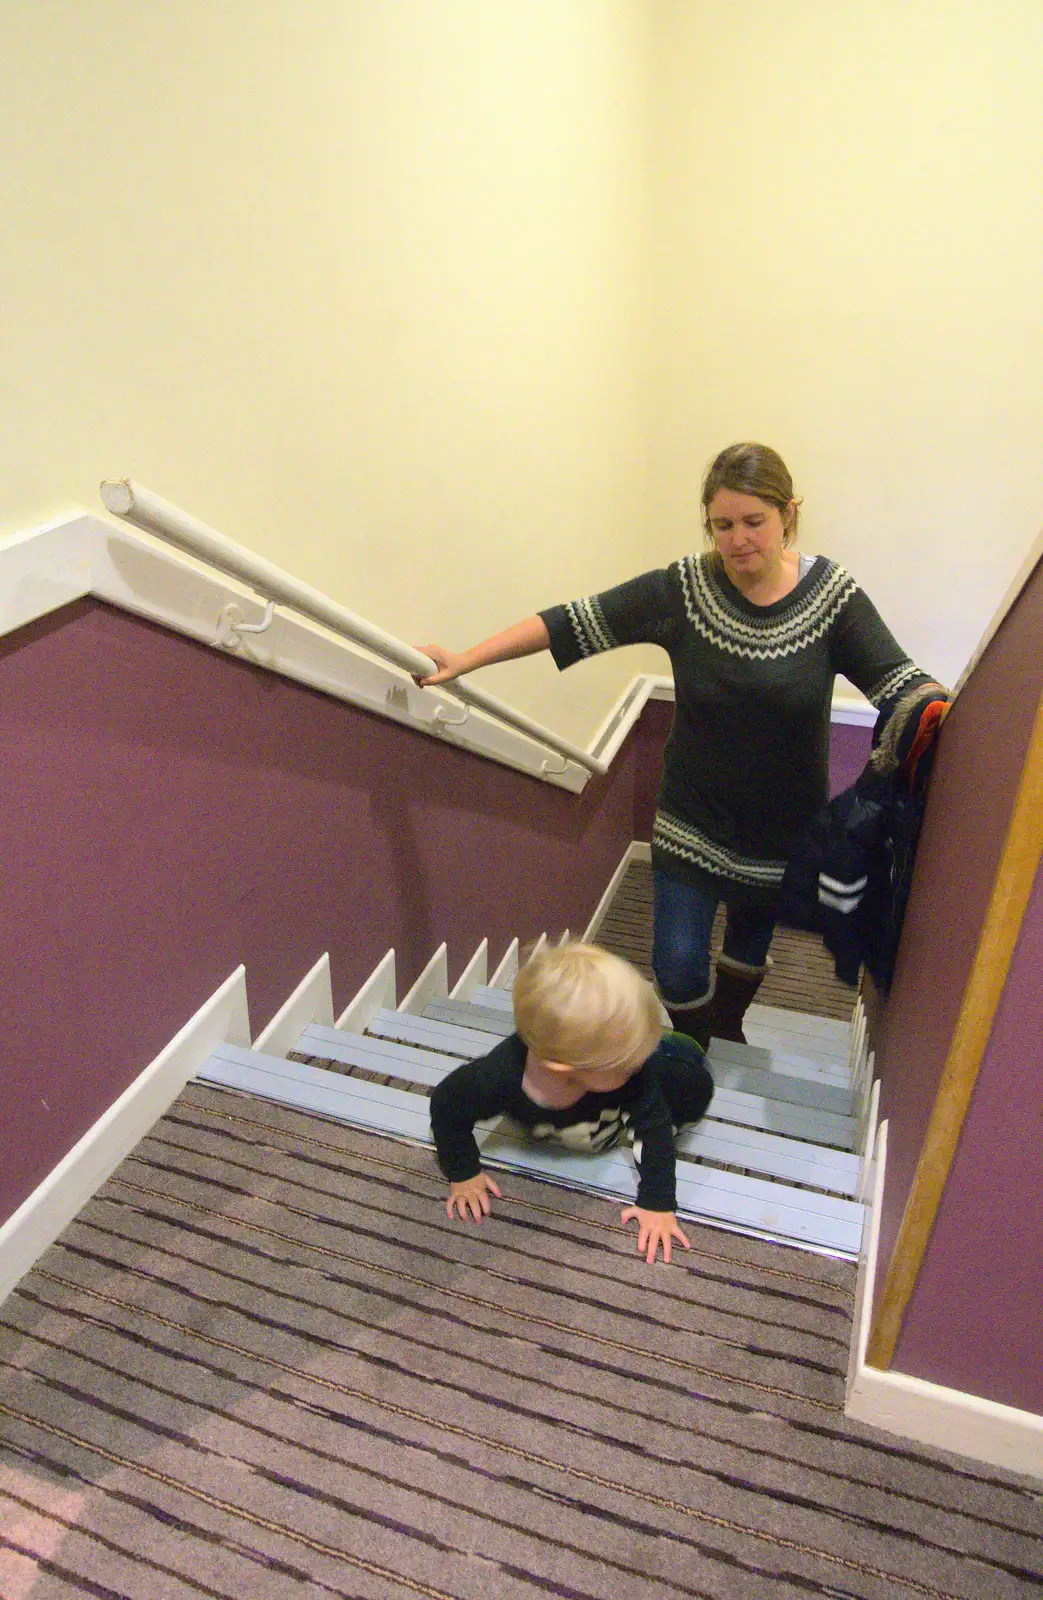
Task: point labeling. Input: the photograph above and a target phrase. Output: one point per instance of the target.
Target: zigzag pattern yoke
(802, 623)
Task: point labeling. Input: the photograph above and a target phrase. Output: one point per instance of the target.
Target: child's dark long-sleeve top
(672, 1088)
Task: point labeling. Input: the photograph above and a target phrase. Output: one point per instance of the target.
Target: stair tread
(817, 1112)
(373, 1106)
(815, 1052)
(767, 1154)
(466, 1014)
(377, 1055)
(776, 1116)
(730, 1072)
(431, 1033)
(501, 999)
(797, 1066)
(827, 1028)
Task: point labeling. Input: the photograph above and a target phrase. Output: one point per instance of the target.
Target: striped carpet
(263, 1362)
(801, 979)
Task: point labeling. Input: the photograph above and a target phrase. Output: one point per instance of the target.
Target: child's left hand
(654, 1228)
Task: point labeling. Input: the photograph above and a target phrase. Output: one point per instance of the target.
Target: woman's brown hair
(751, 469)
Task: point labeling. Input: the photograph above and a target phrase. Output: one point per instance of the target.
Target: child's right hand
(472, 1196)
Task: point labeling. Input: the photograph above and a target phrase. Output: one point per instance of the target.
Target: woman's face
(748, 532)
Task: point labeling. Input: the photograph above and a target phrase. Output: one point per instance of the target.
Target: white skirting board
(912, 1408)
(503, 977)
(636, 850)
(434, 980)
(476, 972)
(378, 993)
(311, 1001)
(52, 1205)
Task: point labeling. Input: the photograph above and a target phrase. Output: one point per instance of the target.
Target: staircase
(778, 1155)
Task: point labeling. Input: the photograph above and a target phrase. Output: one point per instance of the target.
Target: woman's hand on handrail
(526, 638)
(449, 666)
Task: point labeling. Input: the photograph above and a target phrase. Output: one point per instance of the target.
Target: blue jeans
(682, 922)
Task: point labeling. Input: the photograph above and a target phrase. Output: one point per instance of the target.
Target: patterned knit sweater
(746, 764)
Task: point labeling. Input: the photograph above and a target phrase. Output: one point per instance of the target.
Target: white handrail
(146, 510)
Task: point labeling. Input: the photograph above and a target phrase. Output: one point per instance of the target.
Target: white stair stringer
(378, 991)
(475, 972)
(504, 976)
(433, 981)
(311, 1001)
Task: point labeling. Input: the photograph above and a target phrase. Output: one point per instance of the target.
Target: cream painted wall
(360, 282)
(443, 304)
(848, 265)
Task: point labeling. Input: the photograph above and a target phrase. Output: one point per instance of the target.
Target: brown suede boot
(694, 1020)
(735, 988)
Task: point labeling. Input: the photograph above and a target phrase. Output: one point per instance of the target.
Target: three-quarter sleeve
(643, 610)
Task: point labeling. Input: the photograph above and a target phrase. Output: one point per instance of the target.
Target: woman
(755, 634)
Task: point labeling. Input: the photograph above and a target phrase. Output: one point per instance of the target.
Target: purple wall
(170, 813)
(849, 748)
(975, 1321)
(975, 1339)
(652, 733)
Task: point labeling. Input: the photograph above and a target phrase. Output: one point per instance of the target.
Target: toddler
(588, 1061)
